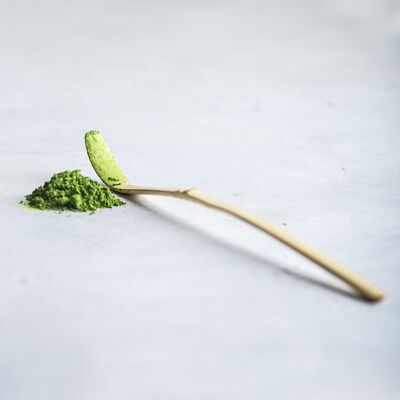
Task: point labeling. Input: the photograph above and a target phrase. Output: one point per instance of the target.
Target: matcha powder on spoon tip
(71, 191)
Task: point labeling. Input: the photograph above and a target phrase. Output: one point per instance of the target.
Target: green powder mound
(70, 190)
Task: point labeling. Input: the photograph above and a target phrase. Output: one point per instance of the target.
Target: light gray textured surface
(289, 109)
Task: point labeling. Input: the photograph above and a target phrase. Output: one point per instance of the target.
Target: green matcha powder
(70, 190)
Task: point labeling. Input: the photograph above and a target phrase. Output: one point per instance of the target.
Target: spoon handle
(366, 289)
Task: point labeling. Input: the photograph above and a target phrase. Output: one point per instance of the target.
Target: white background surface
(289, 109)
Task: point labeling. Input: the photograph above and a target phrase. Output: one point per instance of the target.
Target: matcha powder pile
(70, 190)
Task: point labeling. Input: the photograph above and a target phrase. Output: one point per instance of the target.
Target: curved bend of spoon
(111, 174)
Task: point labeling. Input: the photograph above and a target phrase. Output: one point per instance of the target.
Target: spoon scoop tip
(91, 133)
(103, 160)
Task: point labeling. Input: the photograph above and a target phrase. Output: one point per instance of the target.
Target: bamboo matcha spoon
(111, 174)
